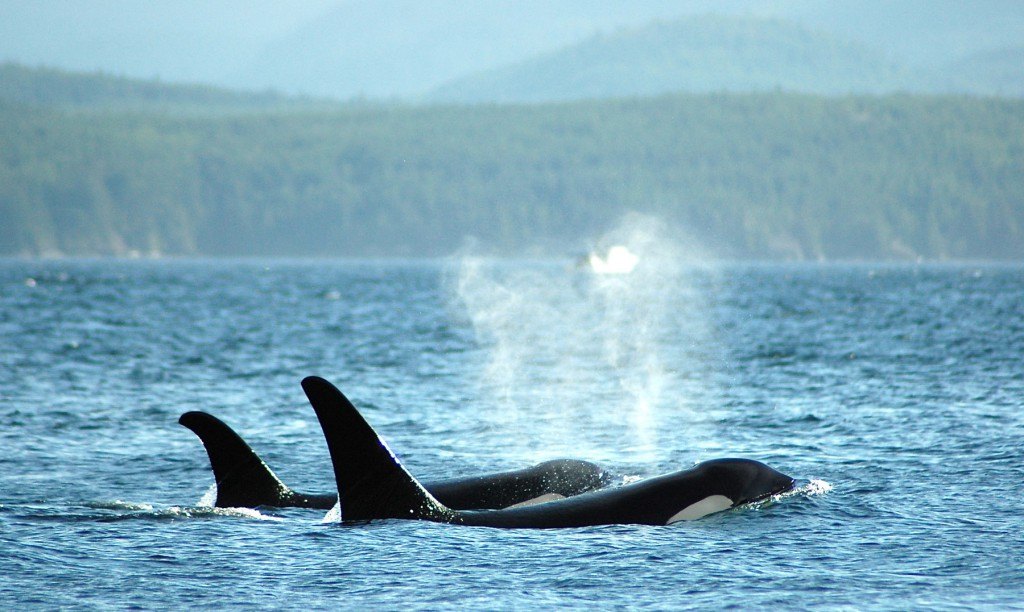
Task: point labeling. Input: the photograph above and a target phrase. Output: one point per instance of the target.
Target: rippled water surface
(893, 393)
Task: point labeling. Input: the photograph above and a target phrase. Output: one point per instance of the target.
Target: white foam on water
(813, 488)
(816, 487)
(118, 504)
(251, 513)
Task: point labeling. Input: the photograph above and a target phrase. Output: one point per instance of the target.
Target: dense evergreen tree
(99, 91)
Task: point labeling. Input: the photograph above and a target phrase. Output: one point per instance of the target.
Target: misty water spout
(553, 340)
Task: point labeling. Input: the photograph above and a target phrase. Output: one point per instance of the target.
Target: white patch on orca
(706, 506)
(538, 500)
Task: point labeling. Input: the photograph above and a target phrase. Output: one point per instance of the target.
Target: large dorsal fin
(372, 484)
(243, 479)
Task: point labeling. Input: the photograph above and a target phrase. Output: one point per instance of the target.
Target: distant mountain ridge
(405, 49)
(56, 88)
(695, 54)
(998, 73)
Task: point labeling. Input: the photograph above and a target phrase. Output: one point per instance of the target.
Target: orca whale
(372, 484)
(244, 480)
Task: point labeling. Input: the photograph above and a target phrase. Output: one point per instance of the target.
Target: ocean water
(893, 393)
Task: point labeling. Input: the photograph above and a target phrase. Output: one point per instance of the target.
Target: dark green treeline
(752, 176)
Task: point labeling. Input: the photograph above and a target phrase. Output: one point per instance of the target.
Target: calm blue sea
(894, 393)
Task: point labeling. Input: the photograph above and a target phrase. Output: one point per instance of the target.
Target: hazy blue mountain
(386, 48)
(95, 91)
(406, 48)
(695, 54)
(173, 40)
(999, 73)
(922, 33)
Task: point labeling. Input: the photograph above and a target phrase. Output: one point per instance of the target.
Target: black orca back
(372, 484)
(561, 477)
(245, 480)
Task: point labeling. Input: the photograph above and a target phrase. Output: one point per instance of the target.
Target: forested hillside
(761, 175)
(71, 90)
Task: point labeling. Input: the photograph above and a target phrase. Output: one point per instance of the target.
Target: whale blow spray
(565, 346)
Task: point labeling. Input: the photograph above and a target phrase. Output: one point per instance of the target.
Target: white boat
(619, 260)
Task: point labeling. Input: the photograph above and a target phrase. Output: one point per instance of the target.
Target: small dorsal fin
(372, 484)
(243, 479)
